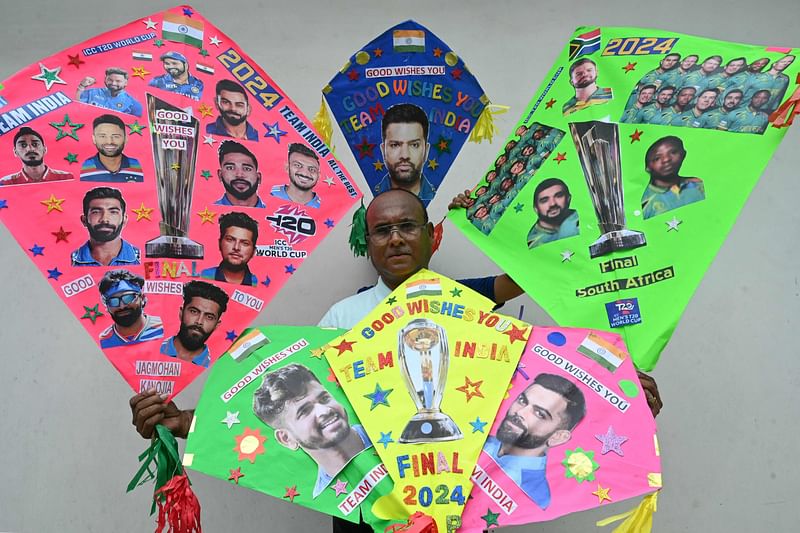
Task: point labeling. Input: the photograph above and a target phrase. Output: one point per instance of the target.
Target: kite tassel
(784, 115)
(322, 122)
(484, 129)
(638, 520)
(438, 234)
(178, 506)
(358, 231)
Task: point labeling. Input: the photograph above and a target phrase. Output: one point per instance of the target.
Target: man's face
(534, 417)
(685, 96)
(313, 420)
(236, 247)
(480, 191)
(239, 176)
(115, 83)
(399, 257)
(731, 101)
(404, 150)
(759, 99)
(688, 63)
(669, 62)
(665, 161)
(783, 63)
(645, 95)
(303, 171)
(500, 161)
(491, 176)
(710, 65)
(507, 183)
(758, 65)
(517, 168)
(104, 220)
(538, 134)
(125, 314)
(584, 75)
(551, 202)
(494, 199)
(522, 130)
(30, 150)
(510, 145)
(109, 139)
(734, 66)
(528, 151)
(665, 96)
(233, 107)
(481, 212)
(199, 319)
(706, 100)
(173, 67)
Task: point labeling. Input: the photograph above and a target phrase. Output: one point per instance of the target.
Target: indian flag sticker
(182, 30)
(202, 67)
(423, 287)
(601, 351)
(141, 55)
(247, 344)
(408, 40)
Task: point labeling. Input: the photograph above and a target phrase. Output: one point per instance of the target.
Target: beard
(300, 185)
(192, 337)
(240, 194)
(127, 317)
(104, 232)
(405, 177)
(32, 162)
(584, 82)
(557, 219)
(322, 442)
(512, 432)
(232, 118)
(113, 152)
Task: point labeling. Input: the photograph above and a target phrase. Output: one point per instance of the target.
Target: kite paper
(406, 76)
(425, 372)
(103, 122)
(575, 432)
(632, 162)
(304, 420)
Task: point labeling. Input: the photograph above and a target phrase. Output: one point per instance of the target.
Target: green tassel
(160, 461)
(358, 231)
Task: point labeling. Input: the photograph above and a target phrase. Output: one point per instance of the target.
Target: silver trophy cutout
(174, 135)
(425, 356)
(597, 144)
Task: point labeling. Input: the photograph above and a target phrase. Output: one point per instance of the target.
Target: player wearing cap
(177, 78)
(122, 295)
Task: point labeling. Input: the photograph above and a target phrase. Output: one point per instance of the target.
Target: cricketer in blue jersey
(177, 78)
(122, 294)
(556, 220)
(668, 190)
(234, 107)
(239, 175)
(104, 218)
(109, 164)
(238, 235)
(303, 169)
(113, 96)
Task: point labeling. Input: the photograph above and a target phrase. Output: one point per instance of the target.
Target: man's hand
(462, 200)
(87, 81)
(149, 408)
(651, 392)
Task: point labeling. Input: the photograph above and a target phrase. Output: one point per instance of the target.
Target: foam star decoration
(344, 346)
(490, 518)
(61, 234)
(518, 208)
(329, 222)
(560, 156)
(266, 281)
(391, 300)
(316, 352)
(566, 255)
(471, 388)
(63, 125)
(365, 148)
(378, 397)
(611, 442)
(289, 269)
(432, 164)
(214, 40)
(437, 52)
(636, 136)
(142, 212)
(205, 110)
(53, 203)
(602, 493)
(71, 158)
(205, 174)
(580, 464)
(158, 43)
(550, 103)
(37, 250)
(49, 76)
(75, 60)
(340, 487)
(274, 131)
(140, 72)
(352, 75)
(378, 166)
(3, 204)
(291, 493)
(230, 336)
(673, 224)
(443, 145)
(208, 139)
(150, 24)
(54, 273)
(328, 181)
(92, 312)
(249, 444)
(386, 439)
(629, 67)
(456, 292)
(478, 425)
(207, 216)
(231, 419)
(378, 52)
(236, 474)
(516, 334)
(456, 73)
(203, 52)
(188, 11)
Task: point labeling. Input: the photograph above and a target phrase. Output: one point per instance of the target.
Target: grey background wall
(729, 377)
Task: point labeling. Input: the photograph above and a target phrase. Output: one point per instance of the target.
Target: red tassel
(438, 233)
(178, 507)
(784, 115)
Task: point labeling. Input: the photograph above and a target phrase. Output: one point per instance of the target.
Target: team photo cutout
(425, 372)
(615, 185)
(165, 187)
(273, 418)
(574, 433)
(406, 103)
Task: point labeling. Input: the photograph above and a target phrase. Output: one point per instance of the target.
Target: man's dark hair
(232, 147)
(717, 57)
(666, 88)
(109, 119)
(117, 70)
(102, 192)
(691, 55)
(232, 87)
(302, 149)
(411, 194)
(673, 54)
(25, 130)
(277, 388)
(578, 63)
(737, 59)
(689, 88)
(546, 184)
(761, 91)
(734, 91)
(669, 139)
(648, 86)
(405, 114)
(576, 403)
(206, 291)
(238, 220)
(704, 91)
(113, 276)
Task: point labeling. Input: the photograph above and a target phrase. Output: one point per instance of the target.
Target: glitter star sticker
(386, 439)
(36, 250)
(214, 40)
(207, 216)
(53, 203)
(550, 103)
(611, 442)
(54, 273)
(629, 67)
(471, 388)
(62, 128)
(291, 493)
(490, 518)
(49, 76)
(231, 419)
(92, 312)
(516, 334)
(378, 166)
(456, 292)
(378, 397)
(328, 181)
(139, 72)
(353, 75)
(236, 474)
(344, 346)
(61, 234)
(432, 164)
(478, 425)
(673, 224)
(602, 493)
(329, 222)
(205, 174)
(340, 487)
(205, 110)
(456, 73)
(75, 60)
(443, 145)
(71, 158)
(365, 148)
(230, 335)
(274, 131)
(150, 24)
(142, 212)
(636, 136)
(566, 255)
(208, 139)
(560, 156)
